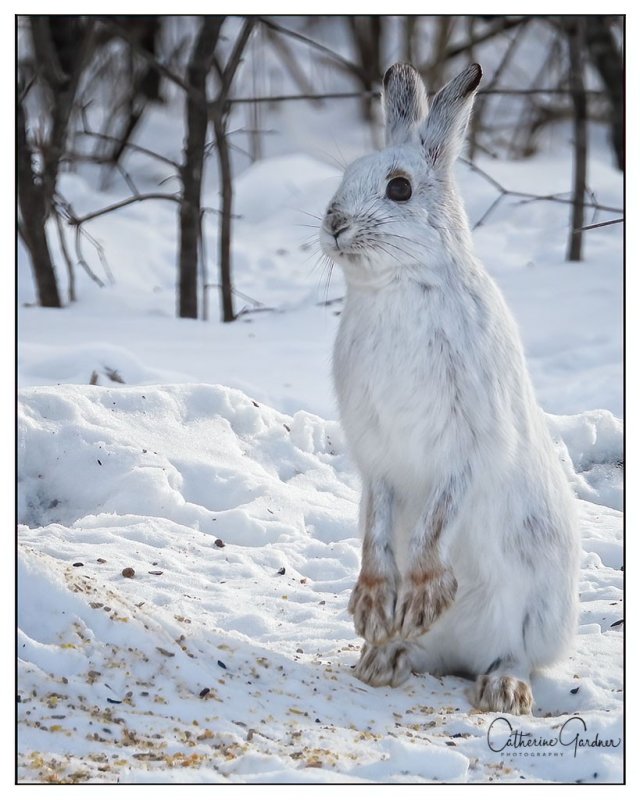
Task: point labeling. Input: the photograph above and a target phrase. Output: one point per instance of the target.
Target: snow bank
(592, 442)
(227, 656)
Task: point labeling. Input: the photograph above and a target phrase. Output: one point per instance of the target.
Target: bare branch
(291, 64)
(233, 63)
(363, 94)
(349, 65)
(527, 197)
(499, 26)
(76, 221)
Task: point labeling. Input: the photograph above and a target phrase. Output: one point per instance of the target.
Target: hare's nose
(337, 222)
(336, 233)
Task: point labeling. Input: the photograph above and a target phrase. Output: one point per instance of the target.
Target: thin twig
(602, 224)
(24, 91)
(236, 292)
(130, 145)
(127, 179)
(244, 311)
(210, 210)
(82, 261)
(534, 198)
(489, 210)
(475, 168)
(101, 255)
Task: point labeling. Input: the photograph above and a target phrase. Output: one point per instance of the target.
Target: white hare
(470, 543)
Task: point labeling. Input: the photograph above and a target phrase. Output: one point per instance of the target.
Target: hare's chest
(394, 376)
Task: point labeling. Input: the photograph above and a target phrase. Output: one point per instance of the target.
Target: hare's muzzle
(339, 227)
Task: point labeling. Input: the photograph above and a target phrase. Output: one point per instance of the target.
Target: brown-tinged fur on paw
(424, 597)
(388, 665)
(372, 602)
(503, 694)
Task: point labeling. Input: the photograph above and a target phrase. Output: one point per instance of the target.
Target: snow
(240, 524)
(207, 458)
(592, 443)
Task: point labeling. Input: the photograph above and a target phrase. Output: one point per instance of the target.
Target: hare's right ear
(404, 101)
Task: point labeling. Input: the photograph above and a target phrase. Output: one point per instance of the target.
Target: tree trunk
(575, 33)
(367, 36)
(226, 187)
(62, 46)
(33, 214)
(219, 111)
(191, 171)
(607, 59)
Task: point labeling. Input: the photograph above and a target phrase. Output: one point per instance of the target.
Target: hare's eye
(398, 189)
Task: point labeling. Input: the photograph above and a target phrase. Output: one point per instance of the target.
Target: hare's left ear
(404, 101)
(442, 133)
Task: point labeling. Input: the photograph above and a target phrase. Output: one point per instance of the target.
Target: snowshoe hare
(470, 544)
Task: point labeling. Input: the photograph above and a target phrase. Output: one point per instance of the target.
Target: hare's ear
(442, 133)
(404, 101)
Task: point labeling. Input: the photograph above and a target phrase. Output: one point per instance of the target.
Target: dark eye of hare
(398, 189)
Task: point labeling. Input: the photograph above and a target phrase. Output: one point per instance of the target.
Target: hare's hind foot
(388, 665)
(425, 595)
(502, 693)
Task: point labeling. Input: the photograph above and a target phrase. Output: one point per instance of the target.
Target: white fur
(436, 402)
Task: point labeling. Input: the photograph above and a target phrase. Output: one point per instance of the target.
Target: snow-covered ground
(228, 654)
(215, 470)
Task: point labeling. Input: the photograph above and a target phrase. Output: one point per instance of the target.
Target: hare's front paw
(502, 693)
(372, 603)
(424, 596)
(388, 665)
